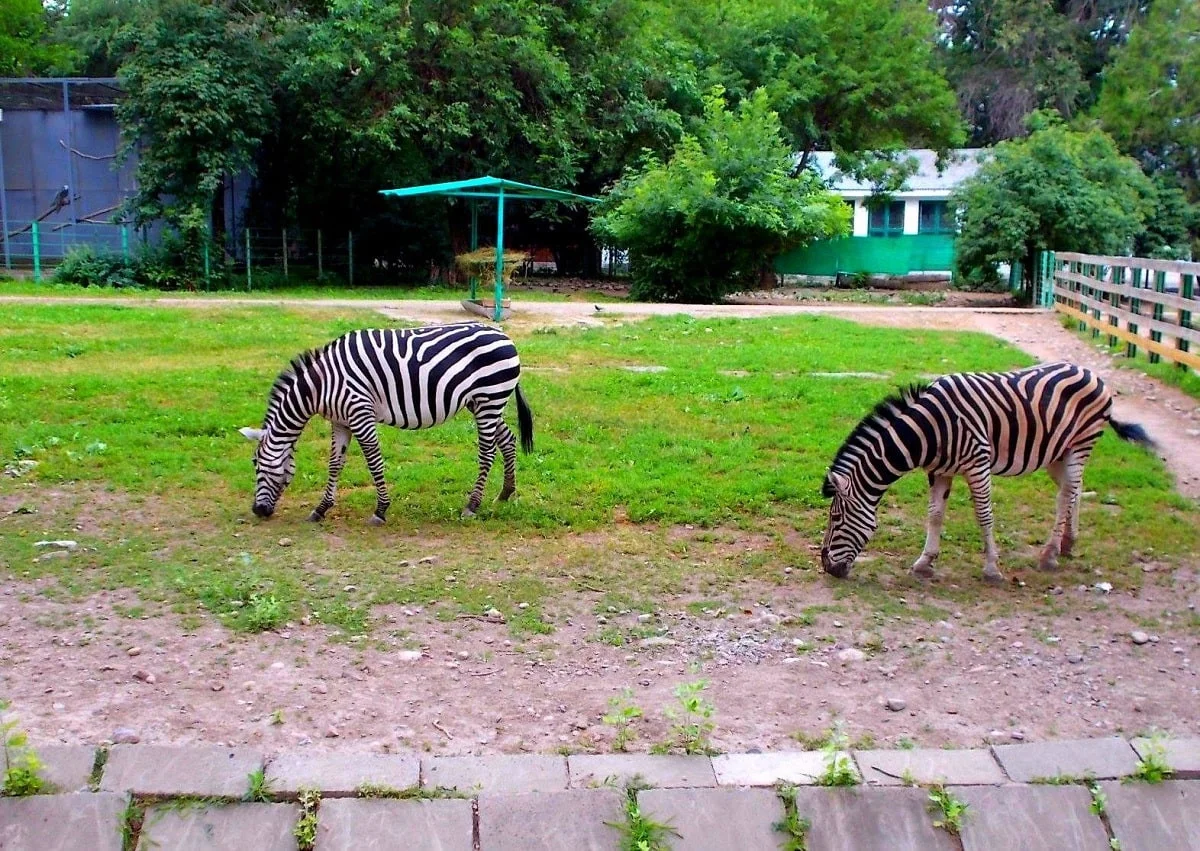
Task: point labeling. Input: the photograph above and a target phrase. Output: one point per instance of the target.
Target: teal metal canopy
(489, 188)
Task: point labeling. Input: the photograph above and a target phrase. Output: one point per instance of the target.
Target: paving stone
(338, 775)
(1183, 755)
(716, 819)
(384, 825)
(263, 827)
(1029, 818)
(660, 772)
(1154, 818)
(159, 770)
(766, 769)
(574, 820)
(79, 822)
(961, 767)
(499, 774)
(870, 818)
(1102, 759)
(67, 767)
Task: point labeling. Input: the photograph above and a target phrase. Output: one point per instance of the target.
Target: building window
(886, 219)
(935, 218)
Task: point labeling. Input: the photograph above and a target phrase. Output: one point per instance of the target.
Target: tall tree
(25, 45)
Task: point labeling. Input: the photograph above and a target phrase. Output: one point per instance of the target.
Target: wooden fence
(1147, 303)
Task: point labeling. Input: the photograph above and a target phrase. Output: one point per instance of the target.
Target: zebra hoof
(316, 517)
(506, 494)
(467, 514)
(923, 568)
(993, 578)
(375, 520)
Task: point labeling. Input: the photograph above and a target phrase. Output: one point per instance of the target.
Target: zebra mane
(883, 412)
(283, 384)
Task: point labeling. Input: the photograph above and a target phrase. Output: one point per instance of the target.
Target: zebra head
(274, 467)
(852, 520)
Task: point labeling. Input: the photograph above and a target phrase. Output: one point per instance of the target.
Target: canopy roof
(489, 187)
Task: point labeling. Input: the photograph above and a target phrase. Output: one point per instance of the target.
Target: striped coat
(973, 425)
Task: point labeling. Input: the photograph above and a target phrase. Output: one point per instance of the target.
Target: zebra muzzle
(263, 511)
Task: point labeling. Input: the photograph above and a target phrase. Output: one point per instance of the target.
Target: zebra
(413, 378)
(974, 425)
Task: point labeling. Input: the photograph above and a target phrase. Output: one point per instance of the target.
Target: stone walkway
(1055, 796)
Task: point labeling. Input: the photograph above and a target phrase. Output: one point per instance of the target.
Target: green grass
(1165, 371)
(130, 415)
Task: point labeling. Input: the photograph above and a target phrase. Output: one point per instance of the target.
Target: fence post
(285, 271)
(37, 254)
(249, 275)
(1047, 292)
(125, 243)
(1117, 278)
(1187, 284)
(350, 252)
(1135, 307)
(1160, 284)
(320, 259)
(207, 278)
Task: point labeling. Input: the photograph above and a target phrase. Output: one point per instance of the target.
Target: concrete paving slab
(1154, 818)
(339, 775)
(766, 769)
(385, 825)
(1101, 759)
(162, 771)
(716, 819)
(498, 774)
(574, 820)
(975, 767)
(1183, 755)
(80, 822)
(661, 772)
(263, 827)
(66, 767)
(1029, 818)
(870, 818)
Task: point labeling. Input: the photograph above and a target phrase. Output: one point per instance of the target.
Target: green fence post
(1097, 296)
(320, 259)
(285, 269)
(1117, 279)
(125, 243)
(1187, 285)
(350, 253)
(249, 275)
(1160, 285)
(1135, 307)
(37, 254)
(206, 268)
(473, 287)
(499, 287)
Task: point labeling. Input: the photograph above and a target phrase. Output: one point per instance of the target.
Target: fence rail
(1147, 303)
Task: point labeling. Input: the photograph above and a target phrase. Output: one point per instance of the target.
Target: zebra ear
(251, 433)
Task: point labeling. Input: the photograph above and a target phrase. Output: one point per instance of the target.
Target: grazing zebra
(414, 378)
(973, 425)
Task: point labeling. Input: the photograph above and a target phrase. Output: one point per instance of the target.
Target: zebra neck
(292, 407)
(891, 451)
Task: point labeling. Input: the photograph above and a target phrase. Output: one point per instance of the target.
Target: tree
(1058, 189)
(1150, 102)
(709, 219)
(25, 48)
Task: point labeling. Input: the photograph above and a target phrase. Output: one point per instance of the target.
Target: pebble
(657, 641)
(1075, 658)
(134, 651)
(145, 676)
(645, 618)
(125, 736)
(285, 542)
(522, 605)
(1103, 587)
(408, 655)
(321, 688)
(332, 733)
(494, 614)
(896, 704)
(850, 654)
(1139, 637)
(427, 560)
(463, 654)
(217, 687)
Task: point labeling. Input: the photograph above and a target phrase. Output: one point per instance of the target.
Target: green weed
(792, 826)
(839, 769)
(1153, 767)
(259, 789)
(22, 768)
(306, 826)
(639, 833)
(949, 810)
(692, 720)
(622, 712)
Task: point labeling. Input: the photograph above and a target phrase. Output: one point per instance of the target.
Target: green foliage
(839, 769)
(1151, 93)
(1153, 766)
(132, 819)
(259, 790)
(25, 47)
(949, 809)
(692, 720)
(639, 833)
(621, 715)
(1058, 189)
(1099, 802)
(794, 828)
(87, 267)
(306, 826)
(708, 221)
(21, 765)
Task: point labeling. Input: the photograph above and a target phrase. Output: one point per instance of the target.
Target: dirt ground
(781, 666)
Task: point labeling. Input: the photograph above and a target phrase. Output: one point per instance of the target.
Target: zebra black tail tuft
(524, 422)
(1132, 432)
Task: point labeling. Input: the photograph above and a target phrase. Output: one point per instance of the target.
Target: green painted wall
(894, 255)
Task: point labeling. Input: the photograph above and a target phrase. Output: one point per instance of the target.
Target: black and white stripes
(411, 379)
(975, 425)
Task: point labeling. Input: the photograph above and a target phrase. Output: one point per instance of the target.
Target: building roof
(964, 162)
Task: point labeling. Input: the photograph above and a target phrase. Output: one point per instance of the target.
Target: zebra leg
(486, 424)
(1058, 535)
(363, 428)
(339, 444)
(939, 490)
(980, 483)
(508, 450)
(1075, 465)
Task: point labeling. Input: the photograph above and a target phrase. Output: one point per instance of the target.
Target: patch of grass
(839, 768)
(793, 827)
(22, 769)
(1152, 767)
(1099, 802)
(639, 833)
(949, 810)
(1057, 780)
(259, 789)
(132, 819)
(378, 790)
(306, 826)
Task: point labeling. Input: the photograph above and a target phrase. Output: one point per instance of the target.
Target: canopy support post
(474, 279)
(499, 294)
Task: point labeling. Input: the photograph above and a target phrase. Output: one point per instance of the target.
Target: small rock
(837, 624)
(522, 606)
(645, 618)
(1017, 736)
(1103, 587)
(62, 545)
(427, 560)
(1139, 637)
(332, 732)
(463, 654)
(125, 736)
(850, 654)
(657, 641)
(1075, 658)
(134, 651)
(217, 687)
(145, 676)
(494, 614)
(896, 704)
(320, 688)
(408, 655)
(349, 588)
(285, 542)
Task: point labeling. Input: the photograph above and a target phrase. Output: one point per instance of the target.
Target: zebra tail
(524, 422)
(1132, 432)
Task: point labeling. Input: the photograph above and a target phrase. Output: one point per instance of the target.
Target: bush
(86, 267)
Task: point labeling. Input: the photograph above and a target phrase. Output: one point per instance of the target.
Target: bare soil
(1059, 664)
